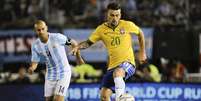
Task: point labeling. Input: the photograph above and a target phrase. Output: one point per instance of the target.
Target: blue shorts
(108, 81)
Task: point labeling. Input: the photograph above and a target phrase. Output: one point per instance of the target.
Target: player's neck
(112, 26)
(44, 38)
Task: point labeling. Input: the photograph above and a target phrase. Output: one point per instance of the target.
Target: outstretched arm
(73, 43)
(142, 53)
(79, 59)
(85, 44)
(82, 45)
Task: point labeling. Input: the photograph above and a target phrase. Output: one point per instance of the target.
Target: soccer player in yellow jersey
(116, 34)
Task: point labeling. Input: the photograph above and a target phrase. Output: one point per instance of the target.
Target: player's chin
(114, 23)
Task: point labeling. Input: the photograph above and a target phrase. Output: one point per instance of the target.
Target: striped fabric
(129, 68)
(54, 53)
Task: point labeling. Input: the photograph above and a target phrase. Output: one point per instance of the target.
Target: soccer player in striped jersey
(116, 34)
(51, 48)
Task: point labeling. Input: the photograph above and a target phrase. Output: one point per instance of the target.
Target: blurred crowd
(90, 13)
(168, 70)
(84, 73)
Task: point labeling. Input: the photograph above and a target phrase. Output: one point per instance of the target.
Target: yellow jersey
(118, 41)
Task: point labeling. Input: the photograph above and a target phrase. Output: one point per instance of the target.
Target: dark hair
(113, 6)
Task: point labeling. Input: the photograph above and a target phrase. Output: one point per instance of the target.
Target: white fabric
(54, 54)
(57, 87)
(119, 87)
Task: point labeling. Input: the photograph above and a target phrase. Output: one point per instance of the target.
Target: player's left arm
(73, 43)
(137, 31)
(63, 40)
(142, 52)
(79, 59)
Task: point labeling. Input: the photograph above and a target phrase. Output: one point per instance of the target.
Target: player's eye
(43, 28)
(112, 15)
(38, 29)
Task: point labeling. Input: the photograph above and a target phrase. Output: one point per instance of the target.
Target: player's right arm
(85, 44)
(93, 38)
(32, 67)
(82, 45)
(35, 59)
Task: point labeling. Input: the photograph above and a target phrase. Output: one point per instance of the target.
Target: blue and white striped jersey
(54, 54)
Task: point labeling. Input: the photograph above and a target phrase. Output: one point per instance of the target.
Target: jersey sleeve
(35, 56)
(62, 39)
(134, 29)
(95, 36)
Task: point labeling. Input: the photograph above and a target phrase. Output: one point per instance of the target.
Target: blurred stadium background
(173, 43)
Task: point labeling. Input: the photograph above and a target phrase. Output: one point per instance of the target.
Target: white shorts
(57, 87)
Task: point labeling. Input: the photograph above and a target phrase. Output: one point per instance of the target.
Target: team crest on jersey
(122, 31)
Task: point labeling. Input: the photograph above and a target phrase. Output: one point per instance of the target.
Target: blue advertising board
(90, 92)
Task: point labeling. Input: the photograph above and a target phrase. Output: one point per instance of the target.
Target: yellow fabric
(154, 73)
(118, 41)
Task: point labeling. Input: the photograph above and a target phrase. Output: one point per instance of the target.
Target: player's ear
(46, 28)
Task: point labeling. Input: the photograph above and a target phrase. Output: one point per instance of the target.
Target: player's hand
(142, 58)
(30, 70)
(74, 50)
(73, 43)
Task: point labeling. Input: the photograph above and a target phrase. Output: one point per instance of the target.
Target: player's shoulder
(36, 42)
(127, 22)
(54, 36)
(101, 26)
